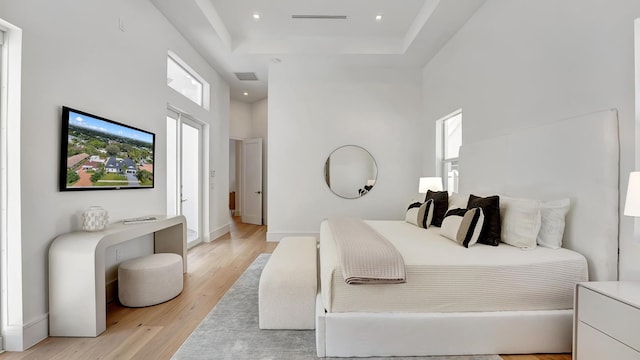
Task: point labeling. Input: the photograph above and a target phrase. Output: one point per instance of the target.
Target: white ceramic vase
(94, 218)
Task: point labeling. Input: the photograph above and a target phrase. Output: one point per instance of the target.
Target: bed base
(424, 334)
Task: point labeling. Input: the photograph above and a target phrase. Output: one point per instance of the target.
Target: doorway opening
(245, 180)
(235, 166)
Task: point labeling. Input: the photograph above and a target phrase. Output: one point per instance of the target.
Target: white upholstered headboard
(576, 158)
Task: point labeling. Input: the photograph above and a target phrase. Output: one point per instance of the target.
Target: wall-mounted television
(102, 154)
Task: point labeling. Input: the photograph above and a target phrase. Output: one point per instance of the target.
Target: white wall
(259, 122)
(74, 54)
(315, 107)
(519, 63)
(218, 159)
(240, 124)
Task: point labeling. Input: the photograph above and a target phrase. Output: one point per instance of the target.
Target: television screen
(101, 154)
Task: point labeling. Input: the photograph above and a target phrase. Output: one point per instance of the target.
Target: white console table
(77, 304)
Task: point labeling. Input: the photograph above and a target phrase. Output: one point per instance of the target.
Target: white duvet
(443, 276)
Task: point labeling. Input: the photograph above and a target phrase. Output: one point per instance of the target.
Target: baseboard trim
(20, 338)
(223, 230)
(193, 243)
(277, 236)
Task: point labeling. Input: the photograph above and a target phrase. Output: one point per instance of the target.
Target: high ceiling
(246, 35)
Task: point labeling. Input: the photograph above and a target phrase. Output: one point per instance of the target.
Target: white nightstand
(606, 321)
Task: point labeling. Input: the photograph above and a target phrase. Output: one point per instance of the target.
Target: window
(2, 72)
(10, 182)
(187, 82)
(449, 130)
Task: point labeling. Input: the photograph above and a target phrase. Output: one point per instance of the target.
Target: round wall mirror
(350, 171)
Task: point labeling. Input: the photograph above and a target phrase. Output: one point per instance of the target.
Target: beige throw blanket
(365, 256)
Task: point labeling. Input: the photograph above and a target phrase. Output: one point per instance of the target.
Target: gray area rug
(230, 331)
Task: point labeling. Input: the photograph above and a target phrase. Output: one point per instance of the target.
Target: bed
(514, 300)
(443, 276)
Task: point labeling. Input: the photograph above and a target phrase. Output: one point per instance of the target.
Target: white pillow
(458, 201)
(463, 226)
(520, 219)
(553, 215)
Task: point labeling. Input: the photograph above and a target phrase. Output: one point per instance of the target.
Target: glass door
(184, 172)
(3, 190)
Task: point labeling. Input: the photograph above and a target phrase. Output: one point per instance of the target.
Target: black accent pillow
(456, 212)
(490, 205)
(441, 204)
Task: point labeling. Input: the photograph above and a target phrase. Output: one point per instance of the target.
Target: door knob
(258, 192)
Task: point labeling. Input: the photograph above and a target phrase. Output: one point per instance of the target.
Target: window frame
(205, 90)
(443, 163)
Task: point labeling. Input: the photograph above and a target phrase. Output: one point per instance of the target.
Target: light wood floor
(156, 332)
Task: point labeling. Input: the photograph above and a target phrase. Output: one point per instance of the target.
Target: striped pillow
(463, 226)
(420, 214)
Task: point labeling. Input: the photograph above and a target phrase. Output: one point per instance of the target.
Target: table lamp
(632, 202)
(433, 184)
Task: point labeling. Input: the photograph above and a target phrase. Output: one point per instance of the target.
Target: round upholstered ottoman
(150, 279)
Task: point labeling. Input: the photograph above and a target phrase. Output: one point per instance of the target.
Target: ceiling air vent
(320, 17)
(246, 76)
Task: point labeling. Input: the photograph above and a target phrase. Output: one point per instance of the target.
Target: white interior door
(184, 171)
(252, 181)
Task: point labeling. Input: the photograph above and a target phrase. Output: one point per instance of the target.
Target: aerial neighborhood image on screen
(103, 154)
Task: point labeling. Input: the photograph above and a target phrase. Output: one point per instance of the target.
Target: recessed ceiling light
(256, 15)
(245, 93)
(379, 17)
